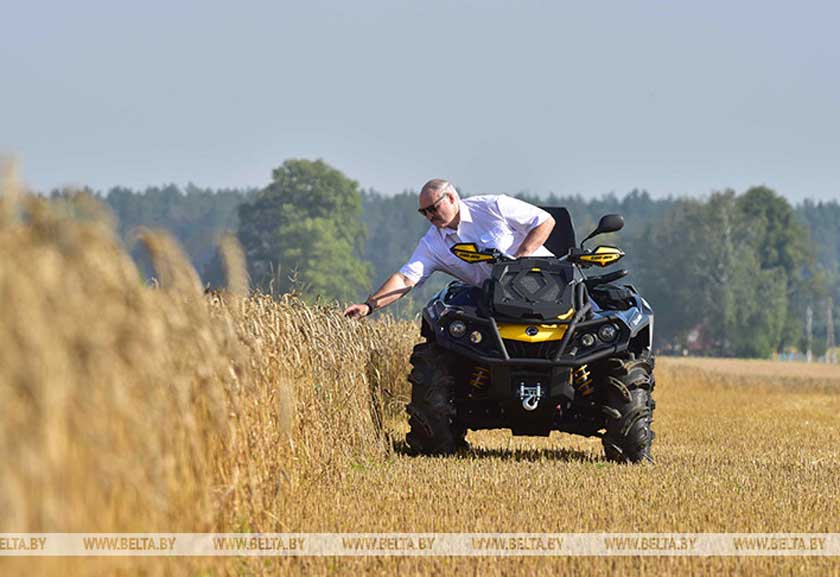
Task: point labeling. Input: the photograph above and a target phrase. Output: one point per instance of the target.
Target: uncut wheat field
(137, 407)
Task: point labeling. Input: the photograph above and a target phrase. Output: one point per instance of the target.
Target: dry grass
(131, 408)
(728, 460)
(761, 374)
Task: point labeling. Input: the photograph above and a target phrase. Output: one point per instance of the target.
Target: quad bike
(539, 347)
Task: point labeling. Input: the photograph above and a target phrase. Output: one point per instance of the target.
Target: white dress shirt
(490, 221)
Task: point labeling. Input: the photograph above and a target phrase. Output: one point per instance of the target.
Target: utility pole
(809, 331)
(830, 354)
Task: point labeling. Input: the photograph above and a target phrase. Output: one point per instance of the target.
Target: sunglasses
(432, 208)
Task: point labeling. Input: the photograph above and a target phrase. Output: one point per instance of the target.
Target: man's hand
(357, 311)
(395, 287)
(535, 238)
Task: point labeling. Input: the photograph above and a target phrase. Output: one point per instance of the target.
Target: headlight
(475, 337)
(608, 333)
(587, 340)
(458, 329)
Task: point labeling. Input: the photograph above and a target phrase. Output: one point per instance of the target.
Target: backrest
(562, 238)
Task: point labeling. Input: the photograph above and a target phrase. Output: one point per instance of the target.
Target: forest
(728, 273)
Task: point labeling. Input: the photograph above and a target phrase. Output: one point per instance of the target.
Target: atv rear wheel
(431, 411)
(629, 407)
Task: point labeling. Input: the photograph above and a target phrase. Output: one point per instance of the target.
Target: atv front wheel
(629, 408)
(431, 411)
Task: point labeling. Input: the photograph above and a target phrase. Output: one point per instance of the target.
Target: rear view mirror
(608, 223)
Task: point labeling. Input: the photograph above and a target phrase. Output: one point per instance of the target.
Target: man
(512, 226)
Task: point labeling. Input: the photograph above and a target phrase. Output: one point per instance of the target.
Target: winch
(530, 395)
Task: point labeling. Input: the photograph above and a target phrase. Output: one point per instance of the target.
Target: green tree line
(731, 273)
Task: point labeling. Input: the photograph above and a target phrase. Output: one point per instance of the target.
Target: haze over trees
(304, 231)
(729, 271)
(729, 274)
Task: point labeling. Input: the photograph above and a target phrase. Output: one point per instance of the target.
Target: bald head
(441, 200)
(435, 187)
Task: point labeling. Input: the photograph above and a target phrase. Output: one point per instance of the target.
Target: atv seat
(562, 237)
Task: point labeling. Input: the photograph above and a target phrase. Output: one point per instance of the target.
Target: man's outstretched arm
(536, 238)
(392, 289)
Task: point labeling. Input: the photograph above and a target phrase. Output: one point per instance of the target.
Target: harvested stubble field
(133, 408)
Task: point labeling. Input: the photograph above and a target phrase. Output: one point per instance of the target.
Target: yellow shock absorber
(480, 377)
(583, 380)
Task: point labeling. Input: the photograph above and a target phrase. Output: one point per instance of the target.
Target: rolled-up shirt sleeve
(520, 215)
(421, 264)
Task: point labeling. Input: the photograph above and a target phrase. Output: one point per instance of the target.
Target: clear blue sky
(571, 97)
